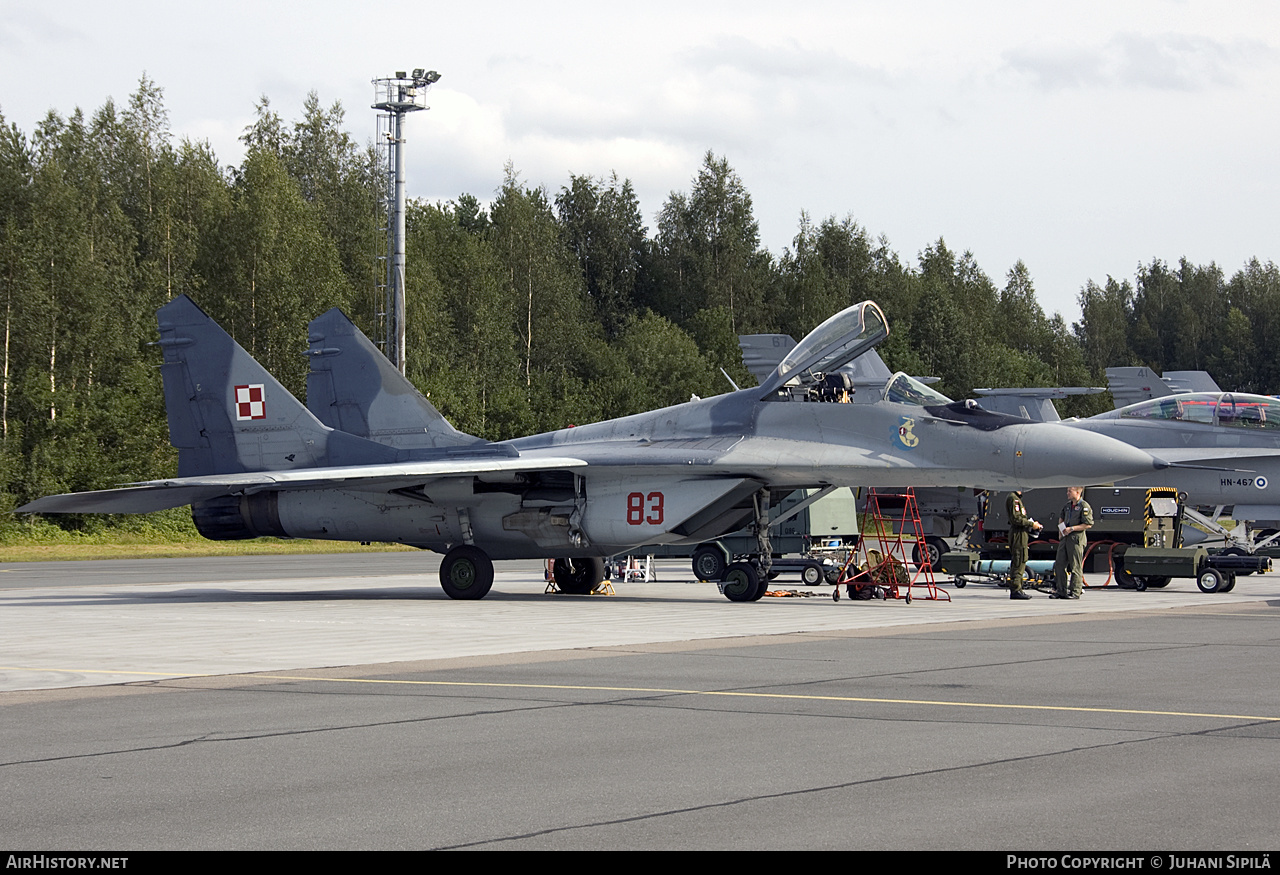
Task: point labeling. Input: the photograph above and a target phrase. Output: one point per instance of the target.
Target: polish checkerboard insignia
(249, 403)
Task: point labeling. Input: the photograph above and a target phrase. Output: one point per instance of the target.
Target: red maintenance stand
(891, 530)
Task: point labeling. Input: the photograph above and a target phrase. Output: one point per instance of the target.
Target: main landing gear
(578, 576)
(466, 573)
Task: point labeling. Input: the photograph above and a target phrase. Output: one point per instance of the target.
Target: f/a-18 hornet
(253, 461)
(1223, 448)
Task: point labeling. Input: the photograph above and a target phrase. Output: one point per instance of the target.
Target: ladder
(888, 534)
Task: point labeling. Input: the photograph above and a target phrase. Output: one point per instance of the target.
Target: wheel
(1210, 580)
(578, 576)
(811, 575)
(833, 576)
(709, 562)
(774, 575)
(466, 573)
(1124, 578)
(961, 583)
(1229, 583)
(835, 594)
(933, 550)
(1158, 582)
(740, 582)
(1139, 583)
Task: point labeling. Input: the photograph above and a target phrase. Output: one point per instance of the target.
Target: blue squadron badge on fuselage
(906, 436)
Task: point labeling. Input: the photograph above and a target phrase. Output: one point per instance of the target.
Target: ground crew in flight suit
(1068, 568)
(1020, 528)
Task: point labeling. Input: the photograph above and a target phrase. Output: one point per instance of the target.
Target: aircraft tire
(934, 547)
(466, 573)
(741, 583)
(709, 562)
(578, 576)
(1210, 580)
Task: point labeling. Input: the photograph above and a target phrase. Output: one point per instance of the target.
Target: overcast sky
(1083, 138)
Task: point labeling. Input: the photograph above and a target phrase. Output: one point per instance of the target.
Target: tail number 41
(643, 508)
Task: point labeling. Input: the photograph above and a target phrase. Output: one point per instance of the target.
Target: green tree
(546, 287)
(343, 185)
(603, 227)
(460, 325)
(271, 267)
(657, 365)
(1105, 314)
(1254, 291)
(708, 250)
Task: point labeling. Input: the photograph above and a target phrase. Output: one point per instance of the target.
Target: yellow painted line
(789, 696)
(679, 692)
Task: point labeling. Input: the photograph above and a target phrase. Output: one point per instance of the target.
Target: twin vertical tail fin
(228, 415)
(352, 387)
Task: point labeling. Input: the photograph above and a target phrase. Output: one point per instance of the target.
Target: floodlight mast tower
(396, 97)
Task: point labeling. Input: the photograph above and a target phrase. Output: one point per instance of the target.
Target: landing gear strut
(748, 581)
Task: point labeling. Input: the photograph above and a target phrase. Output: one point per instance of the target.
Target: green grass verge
(153, 536)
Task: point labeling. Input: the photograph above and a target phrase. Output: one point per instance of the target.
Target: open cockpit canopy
(1229, 409)
(834, 343)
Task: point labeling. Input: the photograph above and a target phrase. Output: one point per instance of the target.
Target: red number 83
(636, 510)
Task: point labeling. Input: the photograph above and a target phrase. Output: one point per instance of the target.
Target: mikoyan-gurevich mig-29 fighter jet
(253, 461)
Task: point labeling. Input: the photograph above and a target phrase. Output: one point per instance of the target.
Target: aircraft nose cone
(1060, 455)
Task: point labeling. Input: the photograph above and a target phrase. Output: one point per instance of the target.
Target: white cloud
(1165, 61)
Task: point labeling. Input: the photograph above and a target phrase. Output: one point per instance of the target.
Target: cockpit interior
(1226, 409)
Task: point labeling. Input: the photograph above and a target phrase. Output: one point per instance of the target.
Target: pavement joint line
(748, 695)
(150, 674)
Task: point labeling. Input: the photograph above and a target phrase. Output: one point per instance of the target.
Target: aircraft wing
(162, 494)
